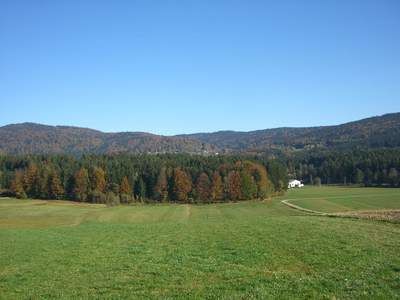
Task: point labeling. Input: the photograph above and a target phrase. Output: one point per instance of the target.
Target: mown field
(342, 199)
(246, 250)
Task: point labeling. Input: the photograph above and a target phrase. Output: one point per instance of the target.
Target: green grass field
(343, 199)
(232, 251)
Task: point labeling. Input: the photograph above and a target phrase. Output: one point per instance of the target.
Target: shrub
(126, 198)
(97, 197)
(112, 199)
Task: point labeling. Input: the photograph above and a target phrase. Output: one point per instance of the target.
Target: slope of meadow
(252, 249)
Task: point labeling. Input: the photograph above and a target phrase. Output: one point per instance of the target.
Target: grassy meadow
(333, 199)
(56, 249)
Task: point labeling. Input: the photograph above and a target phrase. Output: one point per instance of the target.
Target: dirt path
(291, 205)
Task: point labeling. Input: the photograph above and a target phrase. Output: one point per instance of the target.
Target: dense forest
(114, 179)
(375, 132)
(185, 178)
(31, 138)
(380, 167)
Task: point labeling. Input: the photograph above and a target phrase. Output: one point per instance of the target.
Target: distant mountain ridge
(374, 132)
(32, 138)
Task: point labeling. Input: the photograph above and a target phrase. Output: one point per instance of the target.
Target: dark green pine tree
(140, 189)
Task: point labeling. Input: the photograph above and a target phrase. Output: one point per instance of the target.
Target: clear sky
(173, 67)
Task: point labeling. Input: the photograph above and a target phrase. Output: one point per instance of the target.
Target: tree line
(114, 179)
(379, 167)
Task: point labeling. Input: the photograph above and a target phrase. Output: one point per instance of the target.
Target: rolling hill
(375, 132)
(31, 138)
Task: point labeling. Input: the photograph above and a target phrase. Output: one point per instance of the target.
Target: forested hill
(30, 138)
(375, 132)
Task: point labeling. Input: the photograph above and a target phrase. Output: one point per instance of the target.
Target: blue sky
(173, 67)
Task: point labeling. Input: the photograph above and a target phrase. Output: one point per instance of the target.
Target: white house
(295, 184)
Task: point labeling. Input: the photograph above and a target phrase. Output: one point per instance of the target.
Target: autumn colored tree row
(129, 178)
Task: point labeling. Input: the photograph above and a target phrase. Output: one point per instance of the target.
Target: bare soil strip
(291, 205)
(390, 215)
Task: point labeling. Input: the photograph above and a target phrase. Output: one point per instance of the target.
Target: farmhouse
(295, 184)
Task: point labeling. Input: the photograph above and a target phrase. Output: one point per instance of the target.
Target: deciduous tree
(182, 185)
(81, 184)
(31, 180)
(125, 187)
(234, 187)
(56, 190)
(264, 185)
(17, 184)
(217, 187)
(203, 189)
(248, 185)
(99, 180)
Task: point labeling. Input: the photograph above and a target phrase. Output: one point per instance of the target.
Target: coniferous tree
(140, 189)
(161, 187)
(278, 175)
(358, 176)
(393, 176)
(43, 183)
(69, 187)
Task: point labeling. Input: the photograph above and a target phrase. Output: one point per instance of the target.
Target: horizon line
(199, 132)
